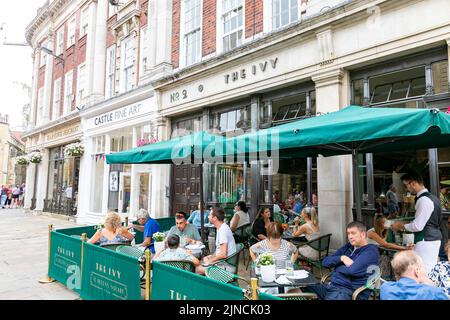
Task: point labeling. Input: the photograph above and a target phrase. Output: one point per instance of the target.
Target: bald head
(407, 264)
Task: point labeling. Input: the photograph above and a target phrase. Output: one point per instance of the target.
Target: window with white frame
(144, 50)
(233, 23)
(40, 104)
(56, 98)
(284, 12)
(129, 57)
(68, 92)
(110, 71)
(71, 32)
(43, 55)
(59, 41)
(81, 84)
(84, 21)
(192, 31)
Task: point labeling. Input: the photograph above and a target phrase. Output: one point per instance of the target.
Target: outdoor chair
(242, 235)
(222, 275)
(233, 259)
(181, 264)
(372, 284)
(135, 252)
(322, 246)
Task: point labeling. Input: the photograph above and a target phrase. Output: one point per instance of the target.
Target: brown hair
(274, 230)
(219, 213)
(379, 226)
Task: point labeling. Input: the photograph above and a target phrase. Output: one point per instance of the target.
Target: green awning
(365, 129)
(179, 150)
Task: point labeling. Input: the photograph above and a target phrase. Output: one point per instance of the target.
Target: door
(124, 192)
(186, 186)
(144, 191)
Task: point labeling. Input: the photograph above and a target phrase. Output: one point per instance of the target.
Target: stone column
(160, 175)
(29, 185)
(48, 84)
(85, 180)
(33, 106)
(160, 29)
(334, 174)
(448, 61)
(106, 176)
(41, 190)
(134, 194)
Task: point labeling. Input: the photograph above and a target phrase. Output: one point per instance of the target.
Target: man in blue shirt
(352, 266)
(148, 226)
(413, 283)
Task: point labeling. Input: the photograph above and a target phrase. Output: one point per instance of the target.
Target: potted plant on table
(267, 267)
(159, 238)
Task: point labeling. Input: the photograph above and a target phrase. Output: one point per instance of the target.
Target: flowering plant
(266, 259)
(34, 157)
(159, 236)
(74, 150)
(21, 160)
(143, 142)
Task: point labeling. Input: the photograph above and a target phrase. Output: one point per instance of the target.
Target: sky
(16, 65)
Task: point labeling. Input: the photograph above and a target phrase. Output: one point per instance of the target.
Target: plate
(299, 274)
(195, 246)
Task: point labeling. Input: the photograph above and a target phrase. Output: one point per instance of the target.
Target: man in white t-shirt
(225, 244)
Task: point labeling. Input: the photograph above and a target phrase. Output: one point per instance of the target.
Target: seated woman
(310, 230)
(281, 249)
(195, 218)
(377, 235)
(240, 216)
(113, 232)
(262, 221)
(440, 274)
(174, 252)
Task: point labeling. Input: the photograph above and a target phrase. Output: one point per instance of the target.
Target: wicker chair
(222, 275)
(322, 246)
(181, 264)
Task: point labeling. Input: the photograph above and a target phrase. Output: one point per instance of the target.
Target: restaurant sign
(62, 133)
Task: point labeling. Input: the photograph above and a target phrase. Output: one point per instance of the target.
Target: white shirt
(224, 235)
(424, 209)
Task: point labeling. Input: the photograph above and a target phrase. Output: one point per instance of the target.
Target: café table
(310, 280)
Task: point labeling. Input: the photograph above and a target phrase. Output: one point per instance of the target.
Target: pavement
(24, 256)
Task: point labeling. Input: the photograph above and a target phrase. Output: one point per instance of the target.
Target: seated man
(188, 233)
(174, 252)
(148, 226)
(412, 281)
(225, 244)
(351, 263)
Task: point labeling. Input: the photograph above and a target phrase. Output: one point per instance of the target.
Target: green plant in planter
(159, 236)
(74, 150)
(34, 157)
(266, 259)
(21, 160)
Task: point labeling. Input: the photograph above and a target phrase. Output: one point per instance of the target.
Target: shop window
(227, 184)
(98, 145)
(387, 170)
(396, 86)
(98, 171)
(444, 177)
(185, 127)
(233, 120)
(289, 108)
(358, 92)
(122, 142)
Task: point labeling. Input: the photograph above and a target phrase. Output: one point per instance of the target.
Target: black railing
(61, 206)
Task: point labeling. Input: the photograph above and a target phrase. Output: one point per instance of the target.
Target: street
(23, 257)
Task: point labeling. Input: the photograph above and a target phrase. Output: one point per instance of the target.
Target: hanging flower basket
(143, 142)
(34, 157)
(21, 160)
(74, 150)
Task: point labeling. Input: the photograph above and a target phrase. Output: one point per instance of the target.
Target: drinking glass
(289, 268)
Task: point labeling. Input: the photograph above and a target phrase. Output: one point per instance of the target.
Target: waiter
(427, 220)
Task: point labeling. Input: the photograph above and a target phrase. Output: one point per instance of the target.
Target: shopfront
(120, 188)
(418, 81)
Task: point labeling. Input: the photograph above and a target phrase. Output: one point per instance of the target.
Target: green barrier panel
(109, 275)
(265, 296)
(170, 283)
(166, 223)
(65, 260)
(89, 230)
